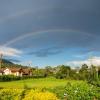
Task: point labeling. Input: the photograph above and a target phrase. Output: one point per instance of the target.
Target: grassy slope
(43, 82)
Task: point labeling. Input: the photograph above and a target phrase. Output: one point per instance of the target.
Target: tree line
(84, 72)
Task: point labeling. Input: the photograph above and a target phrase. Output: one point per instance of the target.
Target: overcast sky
(50, 32)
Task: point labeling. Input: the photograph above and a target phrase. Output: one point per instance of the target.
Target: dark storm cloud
(46, 52)
(61, 38)
(18, 18)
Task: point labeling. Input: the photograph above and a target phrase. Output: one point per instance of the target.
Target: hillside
(5, 61)
(8, 63)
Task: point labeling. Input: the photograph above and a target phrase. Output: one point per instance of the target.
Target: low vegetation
(22, 94)
(53, 83)
(72, 90)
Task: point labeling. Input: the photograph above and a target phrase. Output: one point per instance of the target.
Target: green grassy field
(74, 89)
(39, 83)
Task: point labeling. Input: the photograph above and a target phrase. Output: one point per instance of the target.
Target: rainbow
(41, 32)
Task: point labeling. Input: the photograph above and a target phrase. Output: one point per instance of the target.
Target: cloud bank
(30, 27)
(46, 52)
(91, 61)
(7, 51)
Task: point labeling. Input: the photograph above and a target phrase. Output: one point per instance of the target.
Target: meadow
(40, 82)
(46, 88)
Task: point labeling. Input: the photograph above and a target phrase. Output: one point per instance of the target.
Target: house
(26, 72)
(16, 71)
(1, 72)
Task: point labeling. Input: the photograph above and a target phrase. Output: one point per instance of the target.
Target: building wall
(1, 73)
(15, 73)
(7, 71)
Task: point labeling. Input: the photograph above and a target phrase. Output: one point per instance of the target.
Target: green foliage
(77, 91)
(5, 78)
(63, 72)
(22, 94)
(11, 94)
(48, 71)
(39, 73)
(37, 94)
(34, 82)
(84, 73)
(70, 89)
(60, 72)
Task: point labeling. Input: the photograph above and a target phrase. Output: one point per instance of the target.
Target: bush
(11, 94)
(6, 78)
(9, 78)
(77, 91)
(22, 94)
(39, 95)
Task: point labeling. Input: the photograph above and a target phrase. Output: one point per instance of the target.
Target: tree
(64, 72)
(48, 71)
(84, 73)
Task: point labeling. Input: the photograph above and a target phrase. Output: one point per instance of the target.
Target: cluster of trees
(85, 72)
(63, 71)
(90, 74)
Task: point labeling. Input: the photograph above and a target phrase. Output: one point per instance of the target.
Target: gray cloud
(80, 16)
(46, 52)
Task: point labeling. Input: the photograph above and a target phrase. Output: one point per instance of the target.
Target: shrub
(72, 91)
(26, 94)
(9, 78)
(39, 95)
(11, 94)
(6, 78)
(77, 91)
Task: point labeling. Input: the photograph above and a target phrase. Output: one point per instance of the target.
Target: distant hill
(5, 61)
(8, 63)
